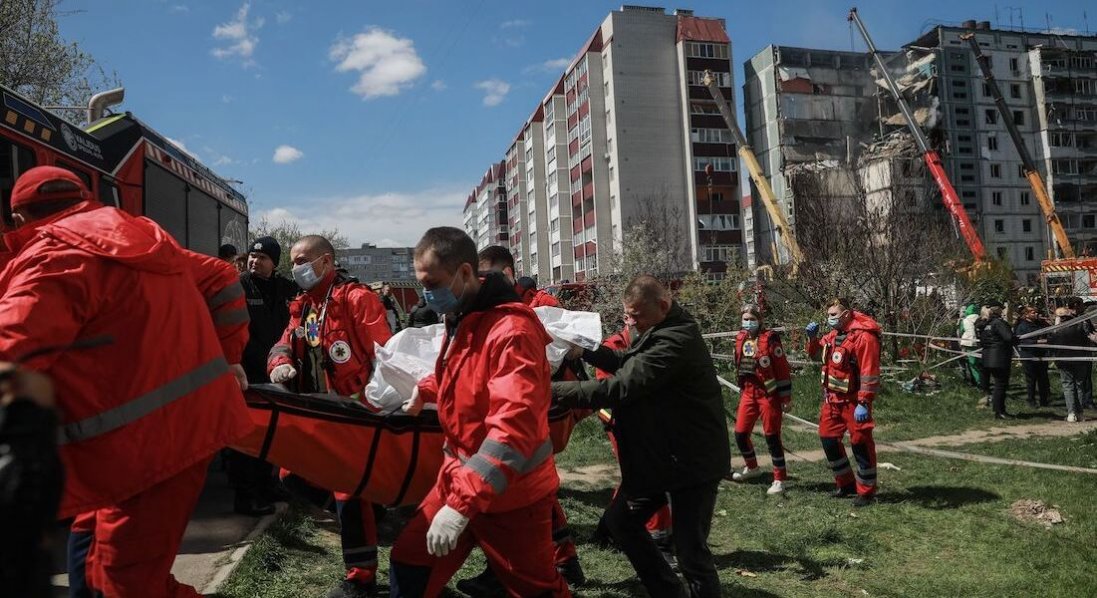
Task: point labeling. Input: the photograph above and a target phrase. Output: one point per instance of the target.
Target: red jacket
(539, 298)
(617, 342)
(345, 331)
(160, 397)
(770, 364)
(850, 370)
(492, 386)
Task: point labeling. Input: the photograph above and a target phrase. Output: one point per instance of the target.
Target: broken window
(1013, 65)
(995, 171)
(1015, 91)
(1030, 254)
(999, 226)
(1025, 198)
(996, 198)
(991, 117)
(992, 143)
(1018, 118)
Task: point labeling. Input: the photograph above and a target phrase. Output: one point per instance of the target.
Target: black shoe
(1002, 416)
(353, 589)
(666, 548)
(251, 506)
(602, 538)
(572, 572)
(844, 492)
(863, 501)
(485, 585)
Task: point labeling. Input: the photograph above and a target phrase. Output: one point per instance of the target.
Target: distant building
(370, 263)
(486, 219)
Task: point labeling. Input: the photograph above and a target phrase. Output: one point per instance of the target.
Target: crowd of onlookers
(993, 345)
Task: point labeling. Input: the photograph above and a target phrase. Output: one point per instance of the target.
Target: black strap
(369, 464)
(272, 427)
(413, 464)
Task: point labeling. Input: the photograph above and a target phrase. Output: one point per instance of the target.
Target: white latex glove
(241, 377)
(413, 405)
(445, 528)
(282, 373)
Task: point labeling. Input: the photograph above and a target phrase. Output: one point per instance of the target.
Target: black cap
(226, 251)
(267, 246)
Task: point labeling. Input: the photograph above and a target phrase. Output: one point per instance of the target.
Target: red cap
(47, 183)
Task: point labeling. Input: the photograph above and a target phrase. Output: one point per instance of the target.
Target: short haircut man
(315, 246)
(497, 257)
(449, 245)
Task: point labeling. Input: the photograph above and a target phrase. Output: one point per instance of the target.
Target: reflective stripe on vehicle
(145, 404)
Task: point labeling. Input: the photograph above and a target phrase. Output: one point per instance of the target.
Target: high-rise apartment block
(486, 209)
(624, 137)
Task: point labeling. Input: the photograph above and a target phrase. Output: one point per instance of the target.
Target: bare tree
(287, 233)
(38, 63)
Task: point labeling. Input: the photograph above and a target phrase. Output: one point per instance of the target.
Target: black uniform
(421, 316)
(997, 341)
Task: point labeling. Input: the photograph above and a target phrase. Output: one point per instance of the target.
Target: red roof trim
(698, 29)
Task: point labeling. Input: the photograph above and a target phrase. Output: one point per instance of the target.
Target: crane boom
(932, 159)
(784, 229)
(1039, 188)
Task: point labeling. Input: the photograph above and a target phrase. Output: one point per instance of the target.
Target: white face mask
(305, 275)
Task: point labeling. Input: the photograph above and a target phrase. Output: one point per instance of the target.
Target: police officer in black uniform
(268, 297)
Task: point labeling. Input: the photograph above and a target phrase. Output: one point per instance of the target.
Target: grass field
(940, 528)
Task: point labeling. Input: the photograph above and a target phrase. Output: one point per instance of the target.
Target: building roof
(699, 29)
(593, 44)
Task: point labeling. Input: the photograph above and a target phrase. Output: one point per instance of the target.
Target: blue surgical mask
(442, 300)
(305, 275)
(832, 321)
(750, 326)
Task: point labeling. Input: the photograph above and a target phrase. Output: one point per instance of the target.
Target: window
(1015, 91)
(710, 135)
(554, 225)
(1089, 221)
(1003, 253)
(1013, 65)
(1020, 171)
(1026, 226)
(986, 91)
(556, 249)
(992, 143)
(698, 78)
(718, 253)
(1061, 139)
(959, 95)
(996, 198)
(1019, 118)
(714, 222)
(995, 171)
(703, 107)
(1025, 199)
(703, 50)
(999, 226)
(718, 164)
(990, 117)
(1030, 254)
(15, 159)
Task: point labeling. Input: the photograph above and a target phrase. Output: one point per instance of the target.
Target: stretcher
(338, 444)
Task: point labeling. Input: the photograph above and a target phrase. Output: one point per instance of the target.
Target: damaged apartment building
(825, 128)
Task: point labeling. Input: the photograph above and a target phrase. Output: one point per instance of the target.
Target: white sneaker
(746, 474)
(777, 487)
(1071, 417)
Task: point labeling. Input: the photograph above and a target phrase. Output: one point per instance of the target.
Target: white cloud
(495, 91)
(549, 66)
(286, 154)
(226, 99)
(180, 145)
(179, 8)
(387, 219)
(386, 64)
(438, 85)
(283, 17)
(239, 37)
(515, 24)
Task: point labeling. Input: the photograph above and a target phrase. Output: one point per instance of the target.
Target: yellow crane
(780, 221)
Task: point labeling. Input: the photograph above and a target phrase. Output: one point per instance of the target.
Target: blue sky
(378, 117)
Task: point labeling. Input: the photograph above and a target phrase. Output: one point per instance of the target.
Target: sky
(378, 118)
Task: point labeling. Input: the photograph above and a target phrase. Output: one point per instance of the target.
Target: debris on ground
(1036, 511)
(924, 383)
(888, 466)
(745, 573)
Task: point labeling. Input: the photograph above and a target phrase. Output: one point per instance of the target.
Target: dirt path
(602, 475)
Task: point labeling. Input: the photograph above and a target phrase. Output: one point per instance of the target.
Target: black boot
(844, 492)
(863, 501)
(353, 589)
(572, 572)
(485, 585)
(250, 505)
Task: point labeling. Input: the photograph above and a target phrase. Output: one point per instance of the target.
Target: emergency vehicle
(126, 164)
(1070, 277)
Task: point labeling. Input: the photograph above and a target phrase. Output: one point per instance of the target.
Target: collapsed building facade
(826, 130)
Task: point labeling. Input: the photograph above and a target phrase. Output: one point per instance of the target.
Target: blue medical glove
(812, 329)
(861, 413)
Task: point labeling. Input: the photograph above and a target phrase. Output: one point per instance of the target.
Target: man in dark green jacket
(669, 422)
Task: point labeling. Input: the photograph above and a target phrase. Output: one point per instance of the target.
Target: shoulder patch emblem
(778, 351)
(339, 352)
(312, 329)
(764, 361)
(749, 348)
(836, 357)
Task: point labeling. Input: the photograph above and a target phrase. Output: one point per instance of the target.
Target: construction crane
(780, 221)
(1031, 173)
(929, 155)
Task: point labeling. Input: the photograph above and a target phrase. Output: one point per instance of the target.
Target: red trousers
(835, 419)
(755, 403)
(563, 545)
(517, 544)
(136, 541)
(660, 522)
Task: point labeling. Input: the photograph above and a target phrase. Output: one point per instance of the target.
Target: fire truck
(126, 164)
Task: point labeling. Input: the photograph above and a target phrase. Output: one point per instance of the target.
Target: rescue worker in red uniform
(850, 356)
(142, 418)
(766, 391)
(496, 258)
(328, 348)
(533, 296)
(498, 481)
(660, 524)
